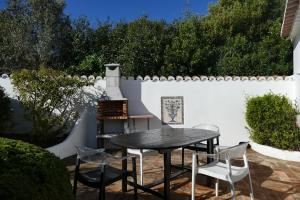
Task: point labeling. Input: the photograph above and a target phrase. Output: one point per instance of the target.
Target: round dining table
(164, 140)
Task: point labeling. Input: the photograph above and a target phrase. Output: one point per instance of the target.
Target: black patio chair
(104, 174)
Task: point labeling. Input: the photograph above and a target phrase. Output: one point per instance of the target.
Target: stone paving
(272, 179)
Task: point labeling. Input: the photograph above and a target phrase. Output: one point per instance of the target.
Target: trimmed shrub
(4, 108)
(29, 172)
(50, 99)
(272, 121)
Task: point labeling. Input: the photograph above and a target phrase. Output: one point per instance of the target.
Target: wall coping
(92, 78)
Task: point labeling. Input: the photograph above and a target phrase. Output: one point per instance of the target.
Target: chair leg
(251, 188)
(75, 186)
(141, 170)
(102, 186)
(217, 187)
(134, 178)
(102, 193)
(182, 157)
(232, 189)
(194, 173)
(76, 177)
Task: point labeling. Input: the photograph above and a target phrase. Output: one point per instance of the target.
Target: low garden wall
(216, 100)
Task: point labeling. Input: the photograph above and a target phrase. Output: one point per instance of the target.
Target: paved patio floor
(272, 179)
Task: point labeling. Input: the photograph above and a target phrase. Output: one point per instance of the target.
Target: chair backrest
(235, 152)
(96, 156)
(210, 127)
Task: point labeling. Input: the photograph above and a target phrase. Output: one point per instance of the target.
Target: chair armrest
(219, 148)
(202, 155)
(218, 157)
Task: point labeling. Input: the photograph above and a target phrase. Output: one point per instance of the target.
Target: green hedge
(272, 121)
(29, 172)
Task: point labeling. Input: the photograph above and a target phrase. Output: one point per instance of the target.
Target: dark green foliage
(92, 64)
(4, 108)
(144, 47)
(33, 33)
(28, 172)
(272, 119)
(236, 37)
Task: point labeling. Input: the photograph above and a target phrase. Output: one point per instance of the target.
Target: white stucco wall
(295, 37)
(209, 100)
(296, 54)
(216, 102)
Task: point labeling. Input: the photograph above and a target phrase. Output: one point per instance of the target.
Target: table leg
(124, 168)
(148, 124)
(210, 149)
(133, 124)
(101, 142)
(167, 174)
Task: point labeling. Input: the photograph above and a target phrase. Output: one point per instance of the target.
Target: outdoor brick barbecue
(112, 105)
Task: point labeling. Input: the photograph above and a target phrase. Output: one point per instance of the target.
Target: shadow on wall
(85, 129)
(133, 93)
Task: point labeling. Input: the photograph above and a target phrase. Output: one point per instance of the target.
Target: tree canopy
(236, 37)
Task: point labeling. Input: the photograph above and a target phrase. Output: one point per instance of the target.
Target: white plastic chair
(222, 168)
(140, 153)
(202, 146)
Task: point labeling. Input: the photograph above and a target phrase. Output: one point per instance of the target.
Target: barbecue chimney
(113, 74)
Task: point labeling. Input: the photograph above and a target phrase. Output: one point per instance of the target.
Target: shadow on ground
(272, 179)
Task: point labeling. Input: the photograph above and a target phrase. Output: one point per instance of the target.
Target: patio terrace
(272, 179)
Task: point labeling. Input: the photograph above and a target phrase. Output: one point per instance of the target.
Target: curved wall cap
(139, 78)
(83, 77)
(147, 78)
(195, 78)
(155, 78)
(179, 78)
(171, 78)
(91, 77)
(244, 78)
(211, 78)
(203, 78)
(253, 78)
(187, 78)
(4, 76)
(228, 78)
(261, 78)
(220, 78)
(98, 78)
(162, 78)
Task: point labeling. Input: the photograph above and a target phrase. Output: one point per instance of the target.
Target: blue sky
(129, 10)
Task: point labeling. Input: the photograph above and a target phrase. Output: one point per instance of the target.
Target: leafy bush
(272, 119)
(28, 172)
(4, 108)
(48, 96)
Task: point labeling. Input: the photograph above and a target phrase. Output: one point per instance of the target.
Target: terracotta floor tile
(273, 179)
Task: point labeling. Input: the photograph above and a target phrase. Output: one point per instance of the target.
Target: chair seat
(92, 178)
(219, 170)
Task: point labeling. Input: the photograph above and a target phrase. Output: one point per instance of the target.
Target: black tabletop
(164, 138)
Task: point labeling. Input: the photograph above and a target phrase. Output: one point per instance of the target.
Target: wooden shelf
(112, 117)
(140, 116)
